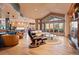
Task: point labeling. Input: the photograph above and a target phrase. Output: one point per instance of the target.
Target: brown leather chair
(35, 40)
(10, 40)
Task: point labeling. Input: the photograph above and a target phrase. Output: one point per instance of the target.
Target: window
(51, 27)
(56, 27)
(61, 27)
(53, 24)
(38, 26)
(47, 27)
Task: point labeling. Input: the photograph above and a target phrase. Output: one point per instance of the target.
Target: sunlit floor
(57, 46)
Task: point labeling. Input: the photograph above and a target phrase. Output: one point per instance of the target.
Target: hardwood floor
(57, 46)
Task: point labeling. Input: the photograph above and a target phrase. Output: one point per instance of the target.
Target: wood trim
(58, 21)
(54, 14)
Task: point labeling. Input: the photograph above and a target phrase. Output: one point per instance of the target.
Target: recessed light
(35, 9)
(57, 9)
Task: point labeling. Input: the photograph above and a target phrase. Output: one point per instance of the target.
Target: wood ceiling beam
(54, 14)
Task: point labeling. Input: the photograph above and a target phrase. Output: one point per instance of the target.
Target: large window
(61, 27)
(32, 25)
(2, 23)
(56, 27)
(47, 27)
(38, 26)
(43, 25)
(53, 25)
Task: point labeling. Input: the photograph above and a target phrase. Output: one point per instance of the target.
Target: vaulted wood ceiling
(39, 10)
